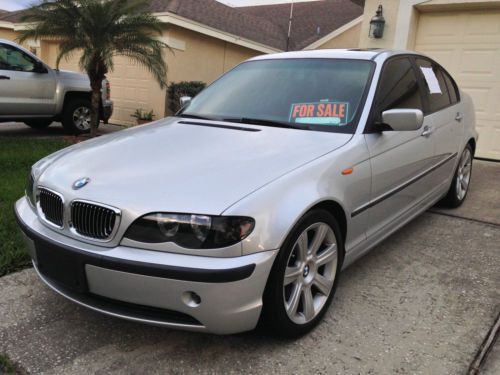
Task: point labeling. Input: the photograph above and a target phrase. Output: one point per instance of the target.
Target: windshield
(314, 94)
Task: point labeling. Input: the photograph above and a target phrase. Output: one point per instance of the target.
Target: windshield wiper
(258, 121)
(187, 115)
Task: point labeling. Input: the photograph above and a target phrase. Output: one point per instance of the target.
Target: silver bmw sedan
(245, 206)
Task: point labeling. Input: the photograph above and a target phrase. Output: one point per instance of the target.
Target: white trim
(335, 33)
(6, 25)
(402, 33)
(174, 19)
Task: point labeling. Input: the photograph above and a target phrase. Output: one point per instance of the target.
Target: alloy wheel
(463, 174)
(310, 273)
(81, 118)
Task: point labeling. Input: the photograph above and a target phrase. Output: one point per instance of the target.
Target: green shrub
(184, 88)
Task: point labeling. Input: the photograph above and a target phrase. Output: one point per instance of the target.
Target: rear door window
(435, 87)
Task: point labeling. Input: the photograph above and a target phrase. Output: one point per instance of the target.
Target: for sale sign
(320, 113)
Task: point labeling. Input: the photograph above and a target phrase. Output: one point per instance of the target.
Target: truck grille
(52, 207)
(93, 221)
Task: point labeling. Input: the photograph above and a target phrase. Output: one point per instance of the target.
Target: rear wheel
(38, 124)
(304, 276)
(461, 180)
(76, 116)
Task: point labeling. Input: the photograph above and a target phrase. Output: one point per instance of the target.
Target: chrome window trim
(75, 233)
(39, 210)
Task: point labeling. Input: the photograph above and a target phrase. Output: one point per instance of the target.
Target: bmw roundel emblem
(78, 184)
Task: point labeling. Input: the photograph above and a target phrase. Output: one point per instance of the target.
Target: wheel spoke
(319, 236)
(464, 184)
(293, 302)
(291, 275)
(308, 303)
(302, 246)
(327, 255)
(323, 284)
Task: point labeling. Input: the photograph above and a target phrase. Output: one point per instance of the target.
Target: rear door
(399, 159)
(23, 91)
(444, 110)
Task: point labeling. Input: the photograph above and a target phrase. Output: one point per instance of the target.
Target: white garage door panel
(468, 45)
(132, 87)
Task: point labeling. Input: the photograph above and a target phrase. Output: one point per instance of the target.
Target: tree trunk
(95, 104)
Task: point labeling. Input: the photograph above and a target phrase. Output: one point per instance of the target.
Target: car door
(444, 110)
(24, 91)
(399, 160)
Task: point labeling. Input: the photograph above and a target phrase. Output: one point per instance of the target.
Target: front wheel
(461, 180)
(76, 116)
(304, 276)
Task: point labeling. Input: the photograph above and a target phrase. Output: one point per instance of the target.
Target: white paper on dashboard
(431, 80)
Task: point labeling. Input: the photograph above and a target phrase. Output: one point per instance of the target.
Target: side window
(435, 86)
(452, 87)
(398, 86)
(13, 59)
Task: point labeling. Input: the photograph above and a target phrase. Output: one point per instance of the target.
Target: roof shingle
(265, 24)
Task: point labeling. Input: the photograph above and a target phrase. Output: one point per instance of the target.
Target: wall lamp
(377, 24)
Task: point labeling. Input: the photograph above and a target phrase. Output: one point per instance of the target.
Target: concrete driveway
(19, 129)
(420, 303)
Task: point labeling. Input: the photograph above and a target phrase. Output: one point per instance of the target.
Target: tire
(461, 180)
(286, 311)
(38, 124)
(76, 116)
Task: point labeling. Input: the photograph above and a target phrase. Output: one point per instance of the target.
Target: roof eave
(174, 19)
(335, 33)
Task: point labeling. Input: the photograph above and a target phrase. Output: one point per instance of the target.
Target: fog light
(191, 299)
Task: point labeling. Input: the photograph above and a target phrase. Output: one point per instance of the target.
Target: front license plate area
(62, 266)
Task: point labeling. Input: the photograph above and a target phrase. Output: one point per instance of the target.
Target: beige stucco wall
(7, 34)
(390, 12)
(348, 39)
(401, 19)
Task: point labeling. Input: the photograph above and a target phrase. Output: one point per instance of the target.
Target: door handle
(427, 131)
(459, 117)
(4, 77)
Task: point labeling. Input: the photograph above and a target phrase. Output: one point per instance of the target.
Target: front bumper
(149, 286)
(107, 110)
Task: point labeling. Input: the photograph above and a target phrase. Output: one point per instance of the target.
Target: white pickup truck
(33, 93)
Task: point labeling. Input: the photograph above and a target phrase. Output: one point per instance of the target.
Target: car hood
(179, 165)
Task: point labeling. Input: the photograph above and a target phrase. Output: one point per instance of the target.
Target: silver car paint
(274, 176)
(35, 95)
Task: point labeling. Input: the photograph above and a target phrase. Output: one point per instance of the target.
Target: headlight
(30, 189)
(191, 231)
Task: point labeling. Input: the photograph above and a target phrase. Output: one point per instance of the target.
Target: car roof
(353, 53)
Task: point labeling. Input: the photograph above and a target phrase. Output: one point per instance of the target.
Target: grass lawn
(6, 366)
(17, 155)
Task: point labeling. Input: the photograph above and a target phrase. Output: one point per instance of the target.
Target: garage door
(467, 44)
(132, 87)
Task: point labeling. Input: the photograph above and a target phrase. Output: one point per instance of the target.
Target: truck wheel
(76, 116)
(38, 124)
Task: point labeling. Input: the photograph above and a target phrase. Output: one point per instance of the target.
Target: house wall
(348, 39)
(401, 19)
(8, 34)
(194, 57)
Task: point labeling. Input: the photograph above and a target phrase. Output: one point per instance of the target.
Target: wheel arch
(472, 143)
(337, 211)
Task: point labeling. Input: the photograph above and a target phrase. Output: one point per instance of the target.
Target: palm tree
(99, 30)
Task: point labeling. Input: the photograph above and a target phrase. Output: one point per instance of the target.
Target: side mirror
(403, 119)
(185, 100)
(40, 68)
